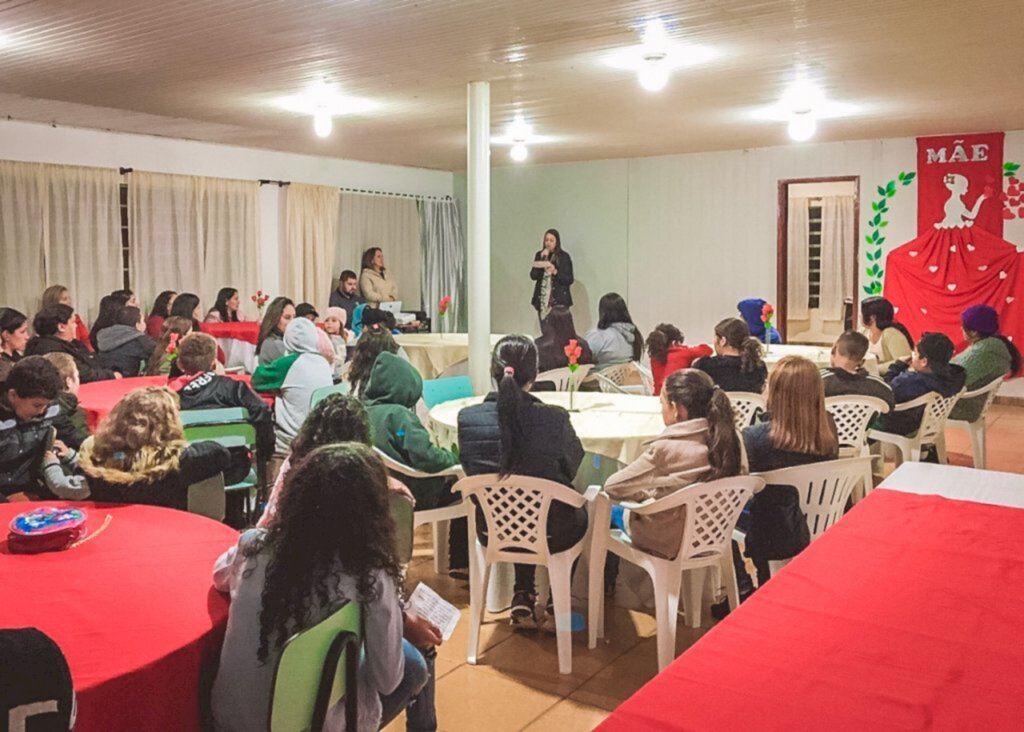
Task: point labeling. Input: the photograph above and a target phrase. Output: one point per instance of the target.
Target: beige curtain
(59, 224)
(307, 257)
(193, 234)
(797, 253)
(837, 259)
(391, 223)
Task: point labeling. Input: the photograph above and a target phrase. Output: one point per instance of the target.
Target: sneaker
(522, 610)
(547, 621)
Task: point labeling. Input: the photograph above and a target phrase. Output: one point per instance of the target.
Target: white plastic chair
(620, 378)
(711, 512)
(824, 489)
(852, 415)
(438, 518)
(930, 432)
(976, 429)
(516, 511)
(561, 377)
(745, 406)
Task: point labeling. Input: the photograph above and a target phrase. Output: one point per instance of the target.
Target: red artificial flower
(172, 343)
(573, 351)
(442, 307)
(254, 298)
(767, 311)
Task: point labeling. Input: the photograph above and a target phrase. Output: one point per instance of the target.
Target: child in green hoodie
(390, 398)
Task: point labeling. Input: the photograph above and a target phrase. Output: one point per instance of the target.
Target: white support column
(478, 185)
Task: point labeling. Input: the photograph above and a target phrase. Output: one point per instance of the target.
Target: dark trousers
(566, 527)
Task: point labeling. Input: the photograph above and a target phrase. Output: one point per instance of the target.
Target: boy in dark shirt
(27, 413)
(927, 370)
(847, 376)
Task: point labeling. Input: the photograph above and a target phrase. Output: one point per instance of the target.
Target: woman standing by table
(552, 275)
(374, 281)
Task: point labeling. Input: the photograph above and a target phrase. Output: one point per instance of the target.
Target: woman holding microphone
(552, 275)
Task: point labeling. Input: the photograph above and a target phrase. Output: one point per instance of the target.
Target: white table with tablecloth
(432, 353)
(821, 355)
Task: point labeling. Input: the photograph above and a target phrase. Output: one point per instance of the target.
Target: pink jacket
(673, 460)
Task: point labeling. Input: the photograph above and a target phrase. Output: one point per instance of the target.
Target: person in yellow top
(376, 283)
(888, 339)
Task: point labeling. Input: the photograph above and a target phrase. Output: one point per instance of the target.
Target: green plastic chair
(438, 391)
(311, 675)
(228, 427)
(325, 391)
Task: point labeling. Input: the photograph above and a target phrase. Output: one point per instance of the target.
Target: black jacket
(727, 372)
(840, 382)
(550, 450)
(197, 462)
(22, 445)
(346, 303)
(89, 366)
(211, 391)
(124, 349)
(909, 385)
(559, 283)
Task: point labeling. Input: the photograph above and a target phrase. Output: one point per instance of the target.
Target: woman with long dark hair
(616, 339)
(225, 309)
(375, 340)
(888, 338)
(186, 305)
(270, 343)
(160, 312)
(331, 541)
(375, 282)
(551, 274)
(556, 331)
(737, 364)
(110, 306)
(514, 432)
(668, 354)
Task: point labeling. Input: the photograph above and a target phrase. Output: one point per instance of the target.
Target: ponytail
(513, 366)
(661, 339)
(723, 439)
(702, 399)
(1014, 354)
(750, 355)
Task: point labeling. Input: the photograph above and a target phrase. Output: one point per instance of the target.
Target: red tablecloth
(133, 610)
(97, 398)
(906, 615)
(247, 331)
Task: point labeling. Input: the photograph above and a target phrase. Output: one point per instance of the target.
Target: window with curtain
(193, 234)
(311, 220)
(444, 263)
(391, 223)
(59, 224)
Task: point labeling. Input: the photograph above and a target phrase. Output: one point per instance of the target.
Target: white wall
(40, 143)
(682, 237)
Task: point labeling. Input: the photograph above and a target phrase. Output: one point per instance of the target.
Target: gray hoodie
(309, 372)
(124, 348)
(613, 344)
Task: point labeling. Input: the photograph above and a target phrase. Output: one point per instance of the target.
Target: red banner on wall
(979, 160)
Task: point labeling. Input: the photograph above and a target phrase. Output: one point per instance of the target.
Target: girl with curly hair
(331, 542)
(139, 453)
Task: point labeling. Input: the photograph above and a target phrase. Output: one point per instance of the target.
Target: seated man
(928, 369)
(847, 376)
(27, 412)
(200, 387)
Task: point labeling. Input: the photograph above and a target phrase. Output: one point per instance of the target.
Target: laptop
(394, 307)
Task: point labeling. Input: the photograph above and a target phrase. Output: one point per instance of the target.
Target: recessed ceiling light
(322, 97)
(657, 56)
(802, 105)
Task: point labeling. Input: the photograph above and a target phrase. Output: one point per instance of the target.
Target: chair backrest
(438, 391)
(318, 395)
(310, 678)
(622, 378)
(988, 391)
(401, 515)
(206, 498)
(712, 510)
(936, 412)
(516, 511)
(824, 488)
(852, 415)
(561, 377)
(393, 466)
(745, 407)
(229, 427)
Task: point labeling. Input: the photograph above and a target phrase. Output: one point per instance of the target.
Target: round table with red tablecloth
(97, 398)
(133, 610)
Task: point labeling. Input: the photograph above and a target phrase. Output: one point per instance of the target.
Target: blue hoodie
(750, 311)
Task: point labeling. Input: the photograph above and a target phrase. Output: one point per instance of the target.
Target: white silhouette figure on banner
(957, 214)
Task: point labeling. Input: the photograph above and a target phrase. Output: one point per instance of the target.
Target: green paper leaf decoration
(868, 290)
(890, 187)
(880, 240)
(882, 224)
(909, 178)
(881, 191)
(874, 206)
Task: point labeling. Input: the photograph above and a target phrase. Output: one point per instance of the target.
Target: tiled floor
(516, 684)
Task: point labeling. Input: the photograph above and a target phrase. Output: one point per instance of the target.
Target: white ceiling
(211, 69)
